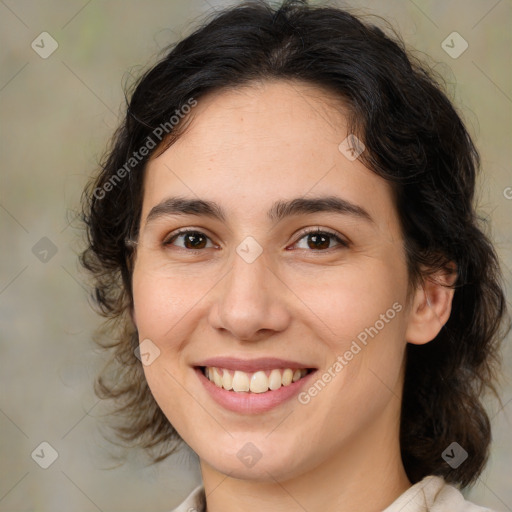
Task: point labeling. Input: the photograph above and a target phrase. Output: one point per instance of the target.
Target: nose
(250, 302)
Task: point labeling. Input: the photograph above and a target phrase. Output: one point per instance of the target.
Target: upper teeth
(257, 382)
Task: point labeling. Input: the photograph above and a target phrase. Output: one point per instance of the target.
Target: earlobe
(431, 308)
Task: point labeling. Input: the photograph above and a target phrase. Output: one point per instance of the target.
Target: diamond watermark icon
(454, 45)
(44, 250)
(249, 455)
(249, 249)
(351, 147)
(44, 45)
(455, 455)
(44, 455)
(146, 352)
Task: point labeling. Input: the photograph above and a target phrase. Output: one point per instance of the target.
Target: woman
(284, 239)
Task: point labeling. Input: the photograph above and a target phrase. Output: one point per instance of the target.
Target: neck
(364, 474)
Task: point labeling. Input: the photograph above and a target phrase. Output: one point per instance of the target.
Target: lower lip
(252, 403)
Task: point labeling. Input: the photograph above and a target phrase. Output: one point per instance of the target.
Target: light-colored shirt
(432, 494)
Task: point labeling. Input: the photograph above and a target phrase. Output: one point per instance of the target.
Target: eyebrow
(278, 211)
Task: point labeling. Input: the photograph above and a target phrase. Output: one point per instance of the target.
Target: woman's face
(253, 281)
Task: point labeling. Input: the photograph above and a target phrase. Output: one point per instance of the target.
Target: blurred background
(62, 68)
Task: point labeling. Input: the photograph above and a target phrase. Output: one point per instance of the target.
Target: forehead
(244, 148)
(266, 115)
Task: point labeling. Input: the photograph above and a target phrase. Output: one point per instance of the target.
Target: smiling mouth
(260, 381)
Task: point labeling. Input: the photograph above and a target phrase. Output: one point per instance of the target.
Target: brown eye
(319, 240)
(191, 240)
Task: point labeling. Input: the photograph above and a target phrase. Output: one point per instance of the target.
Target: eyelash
(343, 243)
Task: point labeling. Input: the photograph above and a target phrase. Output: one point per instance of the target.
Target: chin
(268, 471)
(269, 464)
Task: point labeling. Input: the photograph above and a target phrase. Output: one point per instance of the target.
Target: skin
(245, 149)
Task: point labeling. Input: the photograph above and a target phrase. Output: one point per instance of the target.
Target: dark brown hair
(414, 138)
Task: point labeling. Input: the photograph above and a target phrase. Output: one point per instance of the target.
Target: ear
(431, 307)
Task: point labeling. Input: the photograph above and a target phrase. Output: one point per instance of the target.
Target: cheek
(164, 304)
(346, 299)
(359, 313)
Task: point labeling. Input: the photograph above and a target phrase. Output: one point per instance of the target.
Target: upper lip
(251, 365)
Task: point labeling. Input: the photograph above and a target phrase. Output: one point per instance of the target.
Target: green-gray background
(56, 116)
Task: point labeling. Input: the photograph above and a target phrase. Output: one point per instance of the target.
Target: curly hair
(414, 138)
